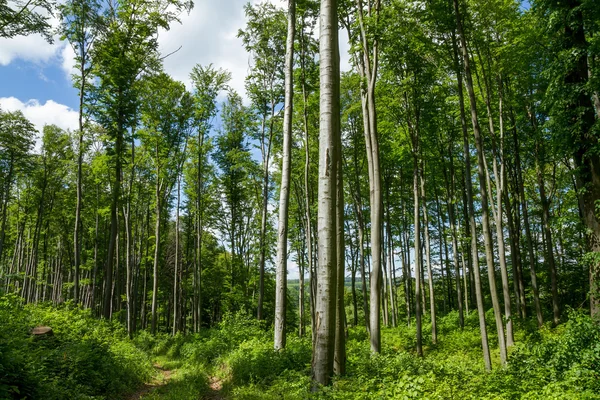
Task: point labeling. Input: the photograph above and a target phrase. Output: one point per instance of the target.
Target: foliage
(88, 359)
(25, 18)
(83, 359)
(561, 363)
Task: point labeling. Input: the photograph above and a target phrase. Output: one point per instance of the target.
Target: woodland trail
(216, 387)
(171, 383)
(162, 379)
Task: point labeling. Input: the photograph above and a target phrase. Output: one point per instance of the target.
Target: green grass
(86, 358)
(560, 363)
(91, 359)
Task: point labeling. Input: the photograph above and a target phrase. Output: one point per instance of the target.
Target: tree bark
(176, 315)
(469, 197)
(428, 256)
(368, 65)
(417, 242)
(156, 254)
(339, 358)
(307, 191)
(325, 306)
(487, 235)
(114, 228)
(281, 279)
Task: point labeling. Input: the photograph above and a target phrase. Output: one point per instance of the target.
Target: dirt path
(216, 385)
(161, 379)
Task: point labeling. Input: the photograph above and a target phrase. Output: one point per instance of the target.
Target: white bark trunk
(325, 307)
(284, 194)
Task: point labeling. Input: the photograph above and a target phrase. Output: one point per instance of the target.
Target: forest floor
(236, 361)
(161, 379)
(87, 358)
(175, 380)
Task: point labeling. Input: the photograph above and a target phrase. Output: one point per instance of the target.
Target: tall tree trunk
(360, 222)
(114, 228)
(339, 357)
(156, 254)
(417, 251)
(76, 232)
(487, 234)
(128, 246)
(176, 315)
(307, 191)
(469, 197)
(353, 268)
(197, 311)
(281, 279)
(390, 263)
(325, 306)
(368, 66)
(528, 237)
(428, 256)
(450, 202)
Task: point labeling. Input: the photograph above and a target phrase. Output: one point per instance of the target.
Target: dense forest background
(466, 176)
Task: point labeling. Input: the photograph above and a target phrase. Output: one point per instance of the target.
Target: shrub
(85, 358)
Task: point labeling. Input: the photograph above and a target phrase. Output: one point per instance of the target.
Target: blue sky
(26, 80)
(35, 76)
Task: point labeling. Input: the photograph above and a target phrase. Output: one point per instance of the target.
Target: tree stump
(42, 331)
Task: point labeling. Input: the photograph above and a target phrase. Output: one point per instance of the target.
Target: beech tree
(128, 45)
(282, 237)
(208, 83)
(81, 24)
(329, 152)
(263, 38)
(16, 141)
(366, 59)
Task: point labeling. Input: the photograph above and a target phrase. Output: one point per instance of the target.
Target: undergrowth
(559, 363)
(91, 359)
(85, 358)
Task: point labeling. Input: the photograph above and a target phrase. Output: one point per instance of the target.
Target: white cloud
(67, 59)
(33, 48)
(208, 35)
(49, 113)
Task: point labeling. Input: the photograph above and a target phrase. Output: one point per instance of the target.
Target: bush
(85, 358)
(255, 361)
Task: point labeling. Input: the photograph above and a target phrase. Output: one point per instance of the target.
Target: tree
(236, 185)
(263, 39)
(81, 22)
(573, 118)
(165, 116)
(21, 18)
(16, 141)
(208, 82)
(128, 45)
(367, 62)
(329, 151)
(282, 237)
